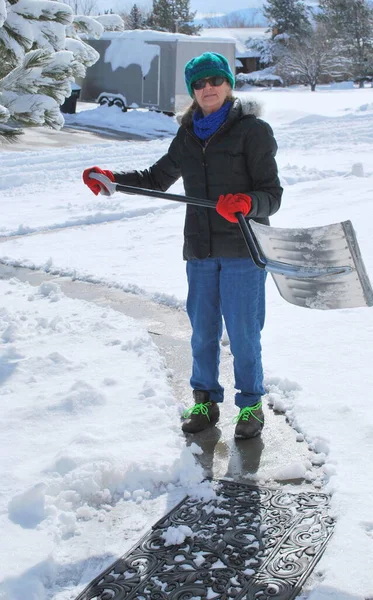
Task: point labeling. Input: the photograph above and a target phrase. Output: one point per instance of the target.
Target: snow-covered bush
(263, 78)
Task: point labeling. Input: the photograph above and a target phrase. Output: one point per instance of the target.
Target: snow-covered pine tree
(290, 17)
(41, 53)
(173, 16)
(185, 18)
(267, 49)
(351, 23)
(135, 19)
(160, 17)
(35, 68)
(84, 55)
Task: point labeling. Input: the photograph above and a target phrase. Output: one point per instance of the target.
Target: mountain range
(245, 17)
(251, 10)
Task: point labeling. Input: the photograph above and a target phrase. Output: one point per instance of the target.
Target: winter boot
(203, 414)
(249, 422)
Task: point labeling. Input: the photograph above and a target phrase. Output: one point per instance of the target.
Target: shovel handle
(255, 251)
(251, 241)
(246, 230)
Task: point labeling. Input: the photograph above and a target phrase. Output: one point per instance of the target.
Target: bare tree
(309, 60)
(82, 7)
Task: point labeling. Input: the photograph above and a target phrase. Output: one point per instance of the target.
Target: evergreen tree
(135, 19)
(351, 23)
(289, 17)
(174, 16)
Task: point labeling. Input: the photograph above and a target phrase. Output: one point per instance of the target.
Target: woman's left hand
(231, 204)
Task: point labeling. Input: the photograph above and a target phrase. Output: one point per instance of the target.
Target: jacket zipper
(203, 147)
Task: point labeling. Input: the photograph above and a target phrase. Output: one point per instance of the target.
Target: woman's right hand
(94, 185)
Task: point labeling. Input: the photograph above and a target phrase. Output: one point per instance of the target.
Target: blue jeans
(232, 288)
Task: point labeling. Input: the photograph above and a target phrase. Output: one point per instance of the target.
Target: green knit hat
(209, 64)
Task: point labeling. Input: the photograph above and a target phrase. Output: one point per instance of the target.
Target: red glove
(94, 185)
(230, 204)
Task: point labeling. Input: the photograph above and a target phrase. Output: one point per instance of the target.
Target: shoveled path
(261, 459)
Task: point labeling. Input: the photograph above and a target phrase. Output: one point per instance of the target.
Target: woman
(225, 153)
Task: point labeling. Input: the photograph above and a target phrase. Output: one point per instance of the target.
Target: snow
(92, 452)
(146, 35)
(110, 22)
(2, 12)
(125, 52)
(139, 122)
(176, 535)
(261, 77)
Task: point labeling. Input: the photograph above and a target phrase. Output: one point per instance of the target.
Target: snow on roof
(147, 35)
(131, 47)
(144, 35)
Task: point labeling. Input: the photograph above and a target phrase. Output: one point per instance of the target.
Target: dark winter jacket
(239, 157)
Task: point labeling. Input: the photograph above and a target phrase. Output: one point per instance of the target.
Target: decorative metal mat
(248, 543)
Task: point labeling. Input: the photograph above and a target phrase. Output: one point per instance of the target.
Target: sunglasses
(200, 84)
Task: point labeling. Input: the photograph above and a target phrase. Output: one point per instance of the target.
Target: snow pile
(144, 123)
(88, 421)
(176, 535)
(110, 22)
(264, 77)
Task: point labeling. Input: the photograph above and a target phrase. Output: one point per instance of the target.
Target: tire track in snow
(90, 220)
(64, 164)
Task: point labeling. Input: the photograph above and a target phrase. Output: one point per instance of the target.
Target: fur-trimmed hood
(242, 107)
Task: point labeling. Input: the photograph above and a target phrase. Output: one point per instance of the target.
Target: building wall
(249, 65)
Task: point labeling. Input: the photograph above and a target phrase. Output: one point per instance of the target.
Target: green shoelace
(247, 412)
(197, 409)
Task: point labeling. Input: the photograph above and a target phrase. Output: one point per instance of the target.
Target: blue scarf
(204, 127)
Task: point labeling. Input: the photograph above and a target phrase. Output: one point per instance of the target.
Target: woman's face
(211, 98)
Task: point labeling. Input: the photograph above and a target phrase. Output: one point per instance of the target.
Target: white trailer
(145, 68)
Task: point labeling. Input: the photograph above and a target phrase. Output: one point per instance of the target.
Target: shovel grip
(251, 242)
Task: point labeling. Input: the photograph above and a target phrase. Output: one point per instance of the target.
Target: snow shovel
(315, 267)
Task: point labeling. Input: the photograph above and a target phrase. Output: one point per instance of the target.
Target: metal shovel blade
(315, 267)
(320, 247)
